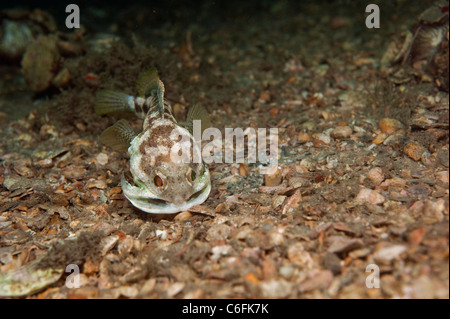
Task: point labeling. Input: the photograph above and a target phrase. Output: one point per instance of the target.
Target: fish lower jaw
(155, 206)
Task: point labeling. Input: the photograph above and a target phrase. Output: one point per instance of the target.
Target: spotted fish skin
(162, 181)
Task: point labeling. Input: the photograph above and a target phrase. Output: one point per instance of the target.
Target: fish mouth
(149, 203)
(198, 194)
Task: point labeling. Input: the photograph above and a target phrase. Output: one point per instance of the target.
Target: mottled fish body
(162, 183)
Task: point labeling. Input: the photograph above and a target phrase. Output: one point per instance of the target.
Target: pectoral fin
(197, 112)
(108, 101)
(118, 136)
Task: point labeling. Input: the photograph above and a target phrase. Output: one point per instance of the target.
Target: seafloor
(362, 187)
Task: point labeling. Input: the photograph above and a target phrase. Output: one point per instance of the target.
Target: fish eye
(158, 181)
(191, 175)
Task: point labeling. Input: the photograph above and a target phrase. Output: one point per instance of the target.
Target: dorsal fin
(148, 83)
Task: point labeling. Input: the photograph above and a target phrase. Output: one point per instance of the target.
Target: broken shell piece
(222, 250)
(380, 138)
(108, 243)
(273, 177)
(102, 159)
(183, 216)
(443, 177)
(62, 78)
(369, 196)
(175, 289)
(162, 234)
(27, 279)
(243, 170)
(303, 137)
(45, 163)
(278, 201)
(414, 150)
(389, 126)
(376, 175)
(292, 201)
(342, 132)
(386, 254)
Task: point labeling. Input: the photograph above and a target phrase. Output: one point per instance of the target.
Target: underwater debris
(429, 32)
(27, 279)
(425, 47)
(32, 39)
(57, 181)
(389, 125)
(40, 63)
(19, 28)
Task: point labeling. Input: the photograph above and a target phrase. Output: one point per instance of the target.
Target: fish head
(168, 174)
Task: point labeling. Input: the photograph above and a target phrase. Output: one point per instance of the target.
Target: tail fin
(108, 101)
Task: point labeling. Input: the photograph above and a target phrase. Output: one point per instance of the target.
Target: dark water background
(164, 23)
